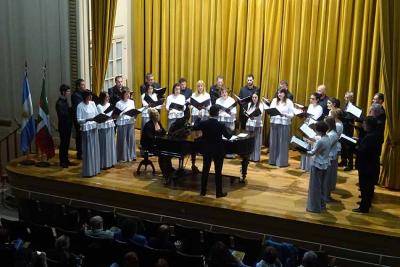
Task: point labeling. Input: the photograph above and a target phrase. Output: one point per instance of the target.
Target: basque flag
(28, 122)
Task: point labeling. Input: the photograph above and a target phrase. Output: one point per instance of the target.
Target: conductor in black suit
(213, 149)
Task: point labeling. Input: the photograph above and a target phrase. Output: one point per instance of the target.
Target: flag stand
(42, 163)
(27, 161)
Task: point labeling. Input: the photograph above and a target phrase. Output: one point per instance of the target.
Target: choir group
(105, 133)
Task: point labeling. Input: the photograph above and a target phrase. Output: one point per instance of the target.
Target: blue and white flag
(28, 122)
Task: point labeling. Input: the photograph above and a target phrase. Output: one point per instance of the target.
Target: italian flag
(44, 140)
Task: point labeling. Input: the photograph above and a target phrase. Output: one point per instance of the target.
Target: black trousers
(243, 119)
(65, 137)
(218, 163)
(367, 188)
(347, 154)
(78, 139)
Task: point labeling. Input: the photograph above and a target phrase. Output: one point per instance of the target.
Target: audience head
(220, 81)
(161, 263)
(80, 85)
(269, 255)
(348, 97)
(154, 115)
(321, 89)
(130, 260)
(250, 80)
(38, 259)
(96, 223)
(220, 256)
(333, 103)
(321, 127)
(214, 111)
(331, 122)
(163, 232)
(104, 98)
(378, 98)
(310, 259)
(65, 90)
(375, 110)
(149, 78)
(128, 228)
(4, 236)
(118, 81)
(62, 243)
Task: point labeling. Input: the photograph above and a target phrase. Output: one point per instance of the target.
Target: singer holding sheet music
(175, 104)
(126, 141)
(149, 100)
(320, 163)
(348, 129)
(108, 154)
(315, 111)
(227, 109)
(254, 125)
(280, 128)
(85, 112)
(200, 102)
(331, 172)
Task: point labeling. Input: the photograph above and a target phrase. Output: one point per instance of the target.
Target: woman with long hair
(280, 129)
(201, 96)
(255, 124)
(108, 154)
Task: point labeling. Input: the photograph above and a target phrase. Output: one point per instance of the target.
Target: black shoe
(222, 194)
(358, 202)
(203, 193)
(359, 210)
(64, 165)
(347, 168)
(342, 164)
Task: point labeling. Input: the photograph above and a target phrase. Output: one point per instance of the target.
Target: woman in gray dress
(254, 125)
(320, 163)
(331, 172)
(126, 142)
(108, 156)
(85, 113)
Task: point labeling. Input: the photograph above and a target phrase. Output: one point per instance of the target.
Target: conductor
(213, 149)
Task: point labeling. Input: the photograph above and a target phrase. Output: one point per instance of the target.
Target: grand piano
(192, 145)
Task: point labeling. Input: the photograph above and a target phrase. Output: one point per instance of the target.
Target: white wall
(35, 31)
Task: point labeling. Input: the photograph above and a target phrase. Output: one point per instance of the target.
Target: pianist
(151, 129)
(213, 149)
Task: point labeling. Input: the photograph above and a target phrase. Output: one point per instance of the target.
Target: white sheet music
(348, 138)
(308, 131)
(297, 111)
(234, 137)
(299, 142)
(354, 110)
(243, 135)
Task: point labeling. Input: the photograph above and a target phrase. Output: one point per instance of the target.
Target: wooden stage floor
(270, 191)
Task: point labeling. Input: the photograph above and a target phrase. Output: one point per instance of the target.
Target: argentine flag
(28, 122)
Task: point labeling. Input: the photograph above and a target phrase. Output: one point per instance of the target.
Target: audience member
(128, 233)
(161, 241)
(310, 259)
(220, 256)
(96, 229)
(269, 258)
(161, 263)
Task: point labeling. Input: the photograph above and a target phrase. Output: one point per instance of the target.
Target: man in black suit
(213, 149)
(149, 81)
(115, 91)
(64, 115)
(323, 99)
(215, 90)
(367, 163)
(246, 91)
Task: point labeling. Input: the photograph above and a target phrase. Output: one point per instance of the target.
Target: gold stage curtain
(390, 45)
(103, 20)
(306, 42)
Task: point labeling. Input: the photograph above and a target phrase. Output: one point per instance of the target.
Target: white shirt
(109, 123)
(256, 121)
(125, 106)
(201, 98)
(145, 112)
(223, 116)
(284, 108)
(84, 112)
(316, 111)
(177, 99)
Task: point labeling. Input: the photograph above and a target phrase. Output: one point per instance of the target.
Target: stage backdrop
(306, 42)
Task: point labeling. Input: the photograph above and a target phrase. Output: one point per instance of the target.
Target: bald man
(323, 101)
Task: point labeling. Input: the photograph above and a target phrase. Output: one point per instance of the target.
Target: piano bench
(145, 162)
